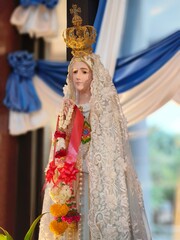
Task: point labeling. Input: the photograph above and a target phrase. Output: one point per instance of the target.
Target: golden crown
(79, 38)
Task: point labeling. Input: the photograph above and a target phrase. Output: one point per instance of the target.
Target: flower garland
(61, 173)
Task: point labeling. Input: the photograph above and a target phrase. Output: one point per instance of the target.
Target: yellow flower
(58, 228)
(59, 210)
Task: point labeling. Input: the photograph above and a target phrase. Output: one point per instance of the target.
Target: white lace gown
(111, 203)
(84, 205)
(84, 230)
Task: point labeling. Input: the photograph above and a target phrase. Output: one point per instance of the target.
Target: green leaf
(3, 237)
(6, 236)
(30, 232)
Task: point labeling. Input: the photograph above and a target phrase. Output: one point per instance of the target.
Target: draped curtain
(145, 80)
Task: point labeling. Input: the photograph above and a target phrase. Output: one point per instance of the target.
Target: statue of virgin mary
(92, 191)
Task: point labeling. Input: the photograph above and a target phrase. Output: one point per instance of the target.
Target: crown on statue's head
(79, 38)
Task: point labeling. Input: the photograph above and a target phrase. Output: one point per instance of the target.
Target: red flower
(72, 216)
(50, 171)
(68, 173)
(59, 134)
(60, 153)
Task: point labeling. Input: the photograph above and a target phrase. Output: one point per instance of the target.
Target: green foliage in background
(164, 151)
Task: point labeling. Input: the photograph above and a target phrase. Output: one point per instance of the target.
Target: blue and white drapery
(38, 18)
(148, 74)
(149, 79)
(133, 70)
(153, 93)
(110, 36)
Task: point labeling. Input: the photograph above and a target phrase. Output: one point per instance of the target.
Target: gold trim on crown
(79, 38)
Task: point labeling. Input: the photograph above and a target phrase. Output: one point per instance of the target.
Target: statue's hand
(68, 103)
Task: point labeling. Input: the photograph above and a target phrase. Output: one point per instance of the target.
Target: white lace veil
(116, 204)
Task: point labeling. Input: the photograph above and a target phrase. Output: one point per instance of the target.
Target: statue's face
(81, 77)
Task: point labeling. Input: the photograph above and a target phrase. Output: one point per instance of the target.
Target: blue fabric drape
(48, 3)
(20, 93)
(131, 71)
(53, 74)
(98, 19)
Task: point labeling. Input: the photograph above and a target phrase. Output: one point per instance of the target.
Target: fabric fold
(21, 95)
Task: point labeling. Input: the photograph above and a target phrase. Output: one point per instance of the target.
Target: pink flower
(68, 173)
(72, 216)
(50, 172)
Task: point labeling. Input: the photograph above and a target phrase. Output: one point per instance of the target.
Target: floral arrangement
(61, 173)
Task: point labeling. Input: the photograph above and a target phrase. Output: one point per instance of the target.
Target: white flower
(60, 194)
(60, 144)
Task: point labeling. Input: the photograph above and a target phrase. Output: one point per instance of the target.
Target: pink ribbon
(68, 172)
(75, 138)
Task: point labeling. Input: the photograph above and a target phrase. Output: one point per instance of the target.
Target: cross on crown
(75, 10)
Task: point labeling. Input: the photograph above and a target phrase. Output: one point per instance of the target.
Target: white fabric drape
(38, 21)
(20, 123)
(176, 97)
(153, 93)
(109, 40)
